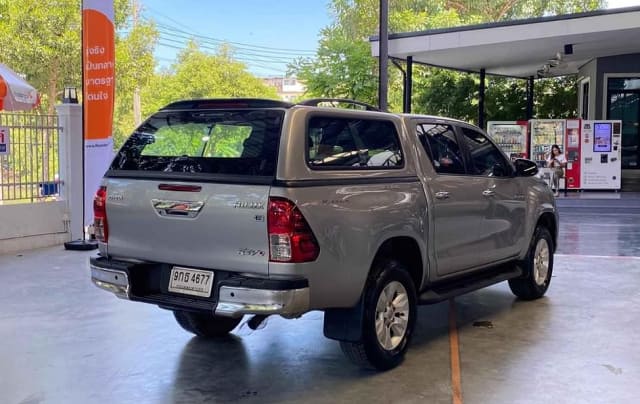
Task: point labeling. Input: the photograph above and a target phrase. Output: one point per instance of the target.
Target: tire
(537, 267)
(384, 306)
(205, 325)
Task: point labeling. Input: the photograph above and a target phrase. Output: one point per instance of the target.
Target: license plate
(191, 281)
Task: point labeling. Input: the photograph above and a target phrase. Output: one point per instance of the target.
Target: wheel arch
(549, 221)
(345, 324)
(407, 251)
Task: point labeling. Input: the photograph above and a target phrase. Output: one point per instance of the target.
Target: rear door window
(440, 144)
(347, 143)
(236, 142)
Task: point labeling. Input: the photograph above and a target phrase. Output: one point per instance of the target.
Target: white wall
(32, 225)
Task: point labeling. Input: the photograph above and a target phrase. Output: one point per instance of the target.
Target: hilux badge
(116, 196)
(248, 205)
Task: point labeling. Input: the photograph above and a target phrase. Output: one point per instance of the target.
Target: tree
(197, 74)
(338, 58)
(342, 68)
(557, 97)
(42, 41)
(135, 65)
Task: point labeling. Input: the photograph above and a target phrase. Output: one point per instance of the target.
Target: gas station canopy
(537, 47)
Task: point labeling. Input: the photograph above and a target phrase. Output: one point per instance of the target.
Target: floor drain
(483, 324)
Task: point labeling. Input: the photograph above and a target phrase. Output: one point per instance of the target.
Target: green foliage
(446, 93)
(557, 97)
(198, 140)
(135, 65)
(343, 68)
(340, 57)
(505, 99)
(197, 74)
(41, 39)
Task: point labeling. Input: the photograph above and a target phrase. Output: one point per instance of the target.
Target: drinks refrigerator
(511, 137)
(544, 134)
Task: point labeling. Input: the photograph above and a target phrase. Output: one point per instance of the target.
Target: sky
(266, 34)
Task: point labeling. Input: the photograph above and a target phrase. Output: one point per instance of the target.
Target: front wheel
(205, 325)
(389, 318)
(537, 266)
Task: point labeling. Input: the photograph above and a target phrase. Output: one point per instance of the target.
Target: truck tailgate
(221, 226)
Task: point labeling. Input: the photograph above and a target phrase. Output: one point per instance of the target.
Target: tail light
(290, 237)
(100, 225)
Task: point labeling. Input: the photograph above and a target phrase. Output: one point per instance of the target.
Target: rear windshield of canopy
(235, 142)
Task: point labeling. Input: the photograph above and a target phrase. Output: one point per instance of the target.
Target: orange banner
(98, 51)
(98, 88)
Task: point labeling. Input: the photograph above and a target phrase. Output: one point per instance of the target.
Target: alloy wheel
(392, 315)
(541, 262)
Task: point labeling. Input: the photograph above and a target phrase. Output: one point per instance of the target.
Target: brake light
(100, 226)
(290, 237)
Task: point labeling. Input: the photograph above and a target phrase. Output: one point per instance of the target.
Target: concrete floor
(62, 340)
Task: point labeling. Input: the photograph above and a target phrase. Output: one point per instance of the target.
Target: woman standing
(557, 162)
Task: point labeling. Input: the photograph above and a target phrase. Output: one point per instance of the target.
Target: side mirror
(525, 168)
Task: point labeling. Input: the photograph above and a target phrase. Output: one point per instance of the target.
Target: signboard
(4, 140)
(98, 87)
(602, 137)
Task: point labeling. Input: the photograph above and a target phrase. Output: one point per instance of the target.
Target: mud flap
(344, 324)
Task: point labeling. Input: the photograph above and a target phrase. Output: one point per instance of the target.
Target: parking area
(65, 341)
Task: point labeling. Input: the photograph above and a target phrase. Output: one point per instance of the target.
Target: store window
(623, 103)
(585, 100)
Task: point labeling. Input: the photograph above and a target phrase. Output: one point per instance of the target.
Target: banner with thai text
(98, 88)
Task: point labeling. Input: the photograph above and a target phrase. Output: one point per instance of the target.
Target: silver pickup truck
(221, 208)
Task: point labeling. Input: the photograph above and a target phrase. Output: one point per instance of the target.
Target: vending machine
(511, 137)
(544, 134)
(573, 152)
(601, 154)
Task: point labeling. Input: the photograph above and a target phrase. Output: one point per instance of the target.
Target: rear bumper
(111, 280)
(232, 296)
(235, 301)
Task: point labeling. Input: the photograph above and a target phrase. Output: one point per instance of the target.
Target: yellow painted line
(454, 348)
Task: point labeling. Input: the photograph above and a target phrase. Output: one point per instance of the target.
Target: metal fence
(29, 168)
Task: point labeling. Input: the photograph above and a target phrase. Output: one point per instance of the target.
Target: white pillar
(71, 151)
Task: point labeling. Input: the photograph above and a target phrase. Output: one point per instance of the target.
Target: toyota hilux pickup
(220, 208)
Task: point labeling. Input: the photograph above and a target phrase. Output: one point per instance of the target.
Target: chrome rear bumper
(111, 280)
(236, 301)
(233, 301)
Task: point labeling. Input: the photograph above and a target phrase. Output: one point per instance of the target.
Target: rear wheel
(389, 318)
(205, 325)
(537, 266)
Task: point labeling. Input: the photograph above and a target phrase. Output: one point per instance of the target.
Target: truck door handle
(442, 195)
(488, 192)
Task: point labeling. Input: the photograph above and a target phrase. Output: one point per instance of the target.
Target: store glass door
(623, 103)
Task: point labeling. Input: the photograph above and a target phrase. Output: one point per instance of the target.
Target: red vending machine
(573, 143)
(511, 137)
